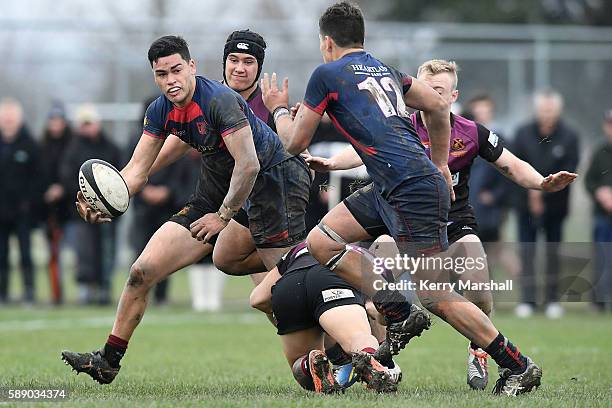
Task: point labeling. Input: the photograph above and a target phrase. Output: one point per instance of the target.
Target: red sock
(117, 342)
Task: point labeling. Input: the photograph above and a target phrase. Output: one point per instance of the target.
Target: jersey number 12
(382, 99)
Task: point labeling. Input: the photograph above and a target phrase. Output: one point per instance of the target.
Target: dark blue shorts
(415, 214)
(276, 208)
(277, 204)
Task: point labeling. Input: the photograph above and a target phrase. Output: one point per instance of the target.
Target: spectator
(549, 145)
(20, 194)
(58, 204)
(488, 187)
(95, 243)
(599, 184)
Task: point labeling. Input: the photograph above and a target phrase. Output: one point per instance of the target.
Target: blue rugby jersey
(364, 99)
(214, 112)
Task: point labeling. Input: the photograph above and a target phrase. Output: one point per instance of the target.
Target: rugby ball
(103, 187)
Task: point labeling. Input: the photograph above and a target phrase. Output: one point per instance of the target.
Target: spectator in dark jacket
(19, 194)
(95, 243)
(58, 205)
(599, 184)
(489, 189)
(549, 145)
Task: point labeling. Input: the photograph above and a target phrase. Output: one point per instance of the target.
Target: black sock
(506, 354)
(337, 356)
(474, 346)
(114, 350)
(391, 304)
(386, 359)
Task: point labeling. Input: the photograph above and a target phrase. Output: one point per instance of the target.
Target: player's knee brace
(333, 235)
(301, 375)
(335, 260)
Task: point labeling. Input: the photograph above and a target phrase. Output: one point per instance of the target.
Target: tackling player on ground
(309, 300)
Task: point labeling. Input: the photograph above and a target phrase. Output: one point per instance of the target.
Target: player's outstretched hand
(449, 180)
(89, 214)
(320, 164)
(272, 96)
(558, 181)
(207, 227)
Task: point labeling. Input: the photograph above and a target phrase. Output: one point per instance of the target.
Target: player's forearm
(520, 172)
(173, 149)
(346, 159)
(136, 172)
(284, 129)
(135, 178)
(261, 296)
(241, 184)
(438, 128)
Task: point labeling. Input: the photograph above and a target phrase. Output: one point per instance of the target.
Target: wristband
(226, 213)
(280, 111)
(225, 220)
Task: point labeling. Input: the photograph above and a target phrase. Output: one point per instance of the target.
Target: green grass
(181, 358)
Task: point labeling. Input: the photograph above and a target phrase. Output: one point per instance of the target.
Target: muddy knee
(140, 277)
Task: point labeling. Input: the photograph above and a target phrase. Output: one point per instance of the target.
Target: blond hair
(439, 66)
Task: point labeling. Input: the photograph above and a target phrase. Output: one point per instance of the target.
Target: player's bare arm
(345, 160)
(135, 174)
(295, 134)
(435, 114)
(173, 149)
(261, 296)
(240, 145)
(523, 174)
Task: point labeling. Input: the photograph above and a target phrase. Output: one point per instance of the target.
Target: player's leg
(468, 245)
(349, 326)
(328, 241)
(169, 249)
(301, 336)
(235, 252)
(339, 310)
(308, 363)
(518, 373)
(355, 219)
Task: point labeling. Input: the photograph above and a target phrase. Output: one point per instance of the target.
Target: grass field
(181, 358)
